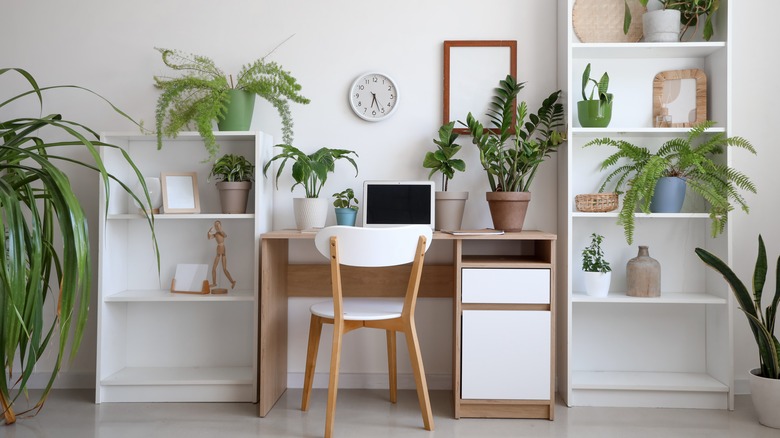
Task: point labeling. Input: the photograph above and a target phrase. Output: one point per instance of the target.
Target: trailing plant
(689, 158)
(593, 256)
(310, 171)
(233, 168)
(761, 324)
(45, 239)
(690, 14)
(601, 86)
(442, 159)
(511, 152)
(200, 95)
(345, 199)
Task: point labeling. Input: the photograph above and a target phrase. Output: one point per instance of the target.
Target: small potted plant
(595, 112)
(449, 205)
(205, 94)
(234, 174)
(310, 171)
(597, 271)
(346, 213)
(665, 18)
(657, 181)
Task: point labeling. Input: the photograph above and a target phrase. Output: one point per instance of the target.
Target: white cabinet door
(506, 286)
(505, 354)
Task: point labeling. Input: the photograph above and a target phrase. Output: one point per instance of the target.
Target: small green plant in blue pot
(346, 213)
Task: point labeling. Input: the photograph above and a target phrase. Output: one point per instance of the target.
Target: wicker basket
(596, 203)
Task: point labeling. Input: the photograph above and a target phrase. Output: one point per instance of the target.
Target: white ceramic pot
(310, 212)
(449, 210)
(661, 26)
(597, 283)
(766, 398)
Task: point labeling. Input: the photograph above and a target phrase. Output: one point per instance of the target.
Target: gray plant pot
(661, 26)
(233, 196)
(449, 210)
(668, 196)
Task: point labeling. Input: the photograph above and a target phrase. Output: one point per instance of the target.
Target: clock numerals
(373, 96)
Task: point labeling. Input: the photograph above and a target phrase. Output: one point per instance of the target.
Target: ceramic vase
(643, 274)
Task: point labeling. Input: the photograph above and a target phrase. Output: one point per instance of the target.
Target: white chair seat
(365, 309)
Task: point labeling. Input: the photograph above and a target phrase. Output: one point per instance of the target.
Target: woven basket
(596, 203)
(601, 21)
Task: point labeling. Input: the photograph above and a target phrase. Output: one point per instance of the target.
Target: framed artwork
(472, 70)
(180, 192)
(679, 98)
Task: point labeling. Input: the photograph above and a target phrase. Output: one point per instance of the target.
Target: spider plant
(45, 242)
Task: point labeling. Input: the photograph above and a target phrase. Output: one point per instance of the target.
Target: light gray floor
(365, 414)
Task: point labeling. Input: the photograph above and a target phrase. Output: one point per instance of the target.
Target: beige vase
(233, 196)
(643, 274)
(449, 210)
(508, 209)
(310, 213)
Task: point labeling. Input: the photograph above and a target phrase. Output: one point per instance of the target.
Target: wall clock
(373, 96)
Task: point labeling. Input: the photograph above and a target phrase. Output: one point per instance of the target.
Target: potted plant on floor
(595, 113)
(657, 181)
(765, 380)
(310, 171)
(512, 151)
(598, 273)
(346, 213)
(205, 94)
(234, 174)
(449, 205)
(664, 18)
(46, 251)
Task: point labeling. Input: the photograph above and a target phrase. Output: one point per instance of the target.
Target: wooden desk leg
(273, 324)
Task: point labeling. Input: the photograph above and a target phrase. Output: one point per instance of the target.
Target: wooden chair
(369, 247)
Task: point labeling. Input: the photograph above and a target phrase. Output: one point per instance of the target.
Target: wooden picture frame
(180, 192)
(679, 98)
(472, 70)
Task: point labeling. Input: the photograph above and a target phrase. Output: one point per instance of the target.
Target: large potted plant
(449, 205)
(310, 171)
(205, 94)
(765, 380)
(45, 244)
(511, 152)
(665, 18)
(657, 181)
(595, 112)
(234, 174)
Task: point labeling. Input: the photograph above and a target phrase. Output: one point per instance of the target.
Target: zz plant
(442, 160)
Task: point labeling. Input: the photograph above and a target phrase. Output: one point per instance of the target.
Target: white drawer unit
(506, 286)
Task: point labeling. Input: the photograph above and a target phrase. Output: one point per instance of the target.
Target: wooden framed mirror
(679, 98)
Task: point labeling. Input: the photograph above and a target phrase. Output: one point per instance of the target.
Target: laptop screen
(390, 203)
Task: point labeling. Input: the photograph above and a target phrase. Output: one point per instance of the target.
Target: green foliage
(593, 256)
(690, 10)
(442, 159)
(233, 168)
(689, 158)
(310, 171)
(761, 324)
(601, 86)
(345, 199)
(45, 239)
(200, 96)
(512, 151)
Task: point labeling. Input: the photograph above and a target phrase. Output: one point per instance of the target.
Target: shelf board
(643, 131)
(614, 215)
(665, 298)
(130, 376)
(646, 50)
(183, 136)
(191, 216)
(505, 261)
(646, 381)
(151, 296)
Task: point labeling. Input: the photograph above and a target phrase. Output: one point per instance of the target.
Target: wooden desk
(527, 250)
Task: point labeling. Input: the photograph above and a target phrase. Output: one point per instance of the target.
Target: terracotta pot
(766, 398)
(310, 213)
(508, 209)
(233, 196)
(449, 210)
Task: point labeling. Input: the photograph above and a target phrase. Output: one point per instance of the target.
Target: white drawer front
(513, 286)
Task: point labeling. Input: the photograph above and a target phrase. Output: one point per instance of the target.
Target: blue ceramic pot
(346, 216)
(669, 195)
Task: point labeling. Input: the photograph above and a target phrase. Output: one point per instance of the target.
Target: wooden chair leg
(333, 383)
(315, 330)
(419, 376)
(392, 369)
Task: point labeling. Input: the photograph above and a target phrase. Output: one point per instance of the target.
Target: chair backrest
(373, 247)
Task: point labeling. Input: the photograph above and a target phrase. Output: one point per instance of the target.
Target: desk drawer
(506, 286)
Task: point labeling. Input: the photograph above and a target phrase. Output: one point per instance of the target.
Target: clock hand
(373, 100)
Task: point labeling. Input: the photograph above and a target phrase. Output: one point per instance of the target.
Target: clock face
(373, 97)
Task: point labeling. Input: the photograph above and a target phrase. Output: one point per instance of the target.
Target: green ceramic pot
(592, 115)
(238, 115)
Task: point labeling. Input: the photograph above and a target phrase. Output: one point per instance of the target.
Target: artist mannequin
(219, 235)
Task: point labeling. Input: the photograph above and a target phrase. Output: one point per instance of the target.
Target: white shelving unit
(155, 346)
(672, 351)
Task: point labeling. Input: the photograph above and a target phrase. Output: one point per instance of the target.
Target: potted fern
(346, 213)
(449, 205)
(205, 94)
(764, 380)
(511, 152)
(595, 112)
(309, 171)
(598, 273)
(235, 175)
(657, 181)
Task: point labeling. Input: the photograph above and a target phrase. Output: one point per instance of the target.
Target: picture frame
(472, 70)
(180, 192)
(679, 98)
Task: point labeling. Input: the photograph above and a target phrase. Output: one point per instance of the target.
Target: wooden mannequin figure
(217, 233)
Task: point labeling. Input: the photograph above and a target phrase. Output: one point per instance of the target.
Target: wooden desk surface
(437, 235)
